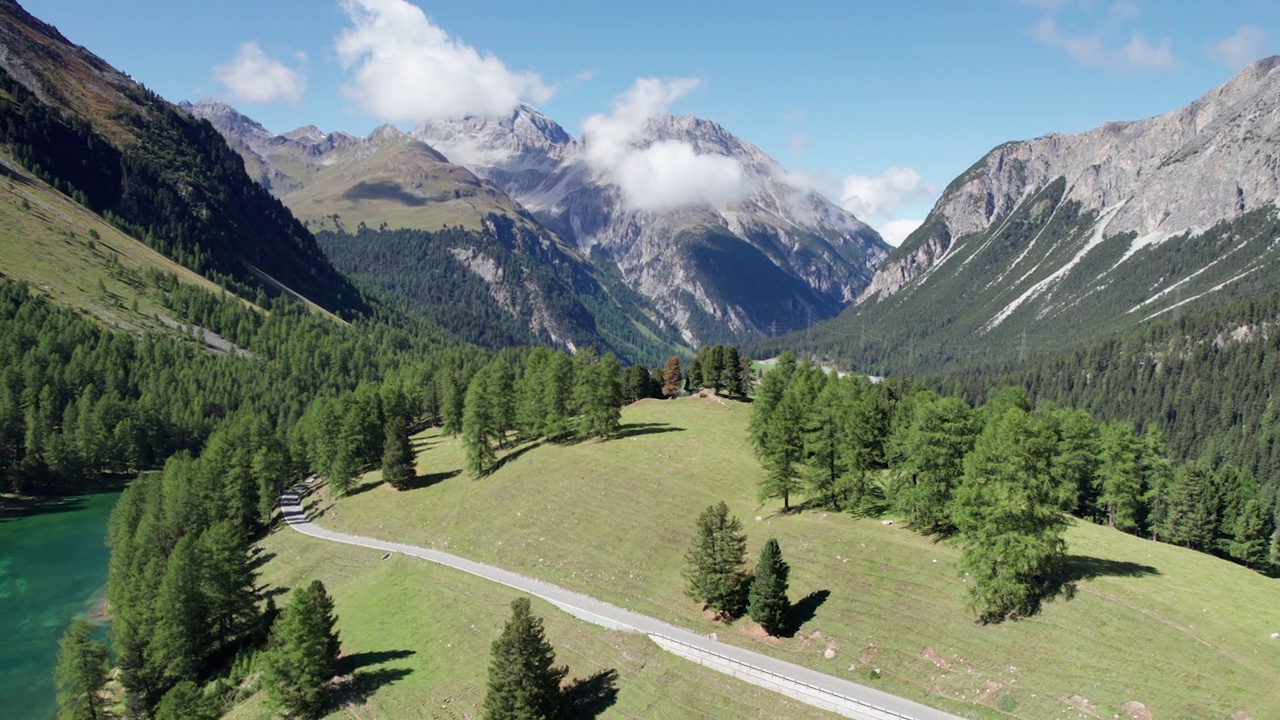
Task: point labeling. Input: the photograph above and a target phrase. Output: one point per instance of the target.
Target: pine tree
(302, 653)
(731, 373)
(185, 701)
(180, 640)
(1194, 508)
(935, 444)
(671, 378)
(397, 455)
(784, 450)
(1006, 511)
(82, 669)
(480, 424)
(523, 684)
(767, 600)
(227, 585)
(714, 560)
(453, 401)
(1249, 546)
(1119, 476)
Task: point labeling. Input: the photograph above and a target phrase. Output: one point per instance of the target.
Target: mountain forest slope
(125, 154)
(1065, 239)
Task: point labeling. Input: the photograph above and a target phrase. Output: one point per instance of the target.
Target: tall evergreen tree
(1194, 508)
(1249, 545)
(82, 670)
(524, 683)
(1006, 511)
(714, 560)
(731, 373)
(784, 449)
(453, 402)
(1120, 476)
(671, 378)
(181, 637)
(481, 424)
(302, 653)
(227, 585)
(936, 442)
(767, 601)
(397, 455)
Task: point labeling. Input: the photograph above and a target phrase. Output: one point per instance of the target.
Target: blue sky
(878, 104)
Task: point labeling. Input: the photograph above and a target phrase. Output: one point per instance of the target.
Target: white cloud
(895, 231)
(252, 77)
(662, 175)
(406, 68)
(875, 199)
(585, 76)
(1236, 52)
(798, 143)
(1092, 51)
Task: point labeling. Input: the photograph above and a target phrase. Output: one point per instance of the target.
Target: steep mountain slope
(335, 181)
(393, 213)
(776, 258)
(123, 153)
(1061, 239)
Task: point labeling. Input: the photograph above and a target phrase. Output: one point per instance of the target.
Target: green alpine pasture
(416, 637)
(1147, 628)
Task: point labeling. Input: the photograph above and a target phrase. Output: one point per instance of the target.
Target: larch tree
(713, 562)
(181, 635)
(524, 683)
(1249, 545)
(83, 664)
(302, 653)
(1194, 508)
(1007, 514)
(397, 455)
(767, 601)
(934, 447)
(671, 377)
(1119, 477)
(186, 701)
(480, 424)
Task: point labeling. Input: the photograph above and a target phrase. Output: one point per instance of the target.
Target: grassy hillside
(49, 242)
(1181, 633)
(404, 184)
(417, 637)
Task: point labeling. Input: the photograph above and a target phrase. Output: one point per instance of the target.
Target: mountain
(1067, 238)
(336, 181)
(96, 136)
(396, 215)
(775, 258)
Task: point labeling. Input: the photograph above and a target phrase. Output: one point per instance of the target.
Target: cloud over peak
(404, 67)
(663, 175)
(253, 77)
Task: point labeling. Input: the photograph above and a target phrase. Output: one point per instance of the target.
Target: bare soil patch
(932, 656)
(1082, 704)
(1138, 711)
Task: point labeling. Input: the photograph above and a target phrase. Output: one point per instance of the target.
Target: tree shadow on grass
(638, 429)
(260, 559)
(366, 682)
(512, 456)
(355, 661)
(587, 698)
(418, 482)
(804, 610)
(1076, 568)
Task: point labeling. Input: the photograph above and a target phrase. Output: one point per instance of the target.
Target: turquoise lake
(53, 569)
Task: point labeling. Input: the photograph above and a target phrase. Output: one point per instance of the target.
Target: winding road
(809, 686)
